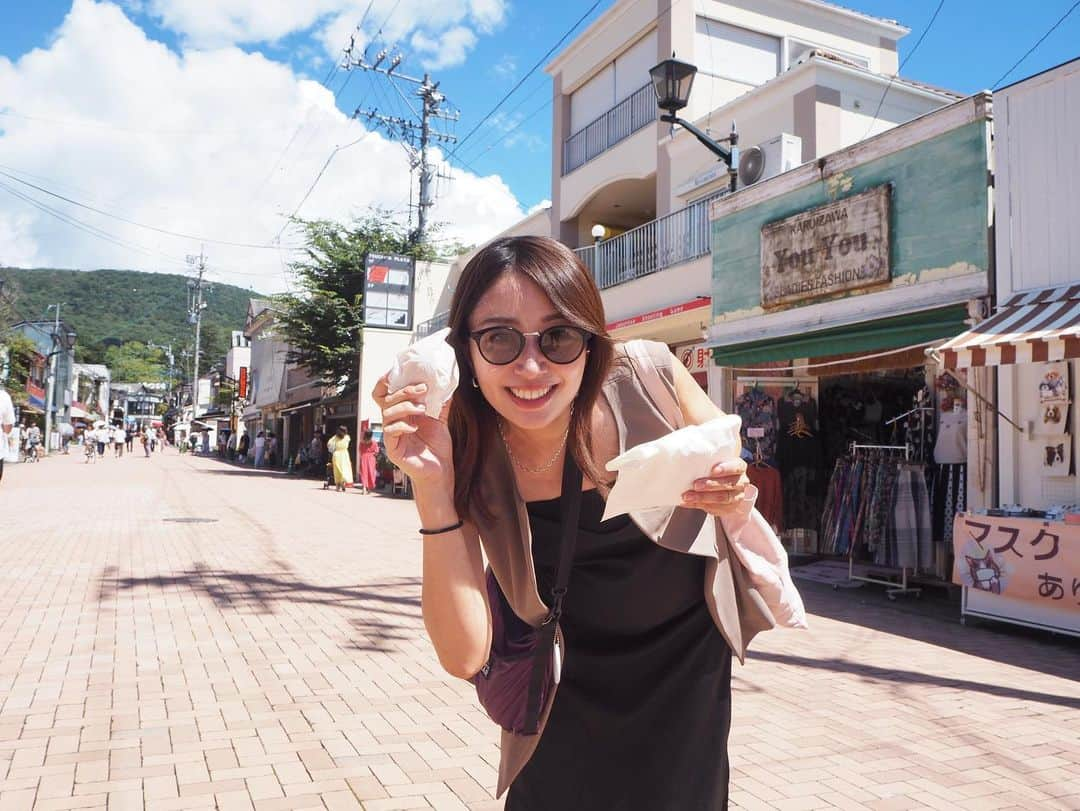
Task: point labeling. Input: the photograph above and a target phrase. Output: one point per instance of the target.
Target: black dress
(641, 718)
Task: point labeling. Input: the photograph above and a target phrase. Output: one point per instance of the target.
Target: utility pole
(50, 388)
(196, 305)
(416, 134)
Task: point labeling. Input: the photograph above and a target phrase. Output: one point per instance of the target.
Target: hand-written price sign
(1023, 558)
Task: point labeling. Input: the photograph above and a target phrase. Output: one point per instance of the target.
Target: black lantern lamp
(672, 80)
(67, 340)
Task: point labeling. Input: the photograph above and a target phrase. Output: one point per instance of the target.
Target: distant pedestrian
(272, 449)
(67, 432)
(206, 442)
(242, 448)
(7, 427)
(160, 437)
(147, 442)
(119, 437)
(342, 461)
(33, 442)
(260, 448)
(369, 452)
(129, 438)
(102, 436)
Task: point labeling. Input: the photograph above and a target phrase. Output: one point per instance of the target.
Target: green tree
(323, 321)
(133, 362)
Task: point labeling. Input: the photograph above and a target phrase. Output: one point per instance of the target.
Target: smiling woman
(646, 610)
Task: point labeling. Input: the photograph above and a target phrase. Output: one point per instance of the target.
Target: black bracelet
(441, 530)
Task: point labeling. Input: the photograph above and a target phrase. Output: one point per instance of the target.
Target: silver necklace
(546, 465)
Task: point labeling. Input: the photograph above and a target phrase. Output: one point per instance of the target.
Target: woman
(340, 458)
(369, 452)
(242, 448)
(260, 448)
(640, 718)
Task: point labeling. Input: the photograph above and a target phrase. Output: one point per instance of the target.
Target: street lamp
(598, 232)
(672, 80)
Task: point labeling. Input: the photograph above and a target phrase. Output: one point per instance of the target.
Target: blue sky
(77, 83)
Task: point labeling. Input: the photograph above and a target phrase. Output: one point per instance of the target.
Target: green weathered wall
(938, 216)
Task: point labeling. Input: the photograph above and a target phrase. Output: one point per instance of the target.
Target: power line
(1039, 42)
(133, 222)
(521, 103)
(315, 182)
(911, 53)
(532, 70)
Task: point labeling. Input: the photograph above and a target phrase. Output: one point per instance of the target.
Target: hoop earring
(475, 385)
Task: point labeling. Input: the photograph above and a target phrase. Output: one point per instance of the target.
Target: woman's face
(530, 392)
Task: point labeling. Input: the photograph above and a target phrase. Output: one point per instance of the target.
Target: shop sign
(694, 357)
(35, 394)
(1023, 558)
(655, 315)
(835, 248)
(388, 291)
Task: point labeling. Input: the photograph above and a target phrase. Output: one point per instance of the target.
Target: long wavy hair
(567, 282)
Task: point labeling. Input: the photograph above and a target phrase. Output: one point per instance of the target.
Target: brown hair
(570, 286)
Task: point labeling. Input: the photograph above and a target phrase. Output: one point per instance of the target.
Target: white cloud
(215, 143)
(448, 28)
(448, 49)
(543, 204)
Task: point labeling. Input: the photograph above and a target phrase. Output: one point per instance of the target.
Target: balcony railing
(670, 240)
(621, 121)
(433, 324)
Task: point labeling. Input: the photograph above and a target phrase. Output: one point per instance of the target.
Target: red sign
(656, 315)
(378, 273)
(1025, 558)
(242, 386)
(695, 358)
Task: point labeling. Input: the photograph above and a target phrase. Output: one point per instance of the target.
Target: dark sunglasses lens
(500, 346)
(562, 344)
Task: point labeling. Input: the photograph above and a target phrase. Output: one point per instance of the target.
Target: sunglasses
(502, 345)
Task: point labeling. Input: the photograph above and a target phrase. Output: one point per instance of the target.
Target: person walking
(260, 448)
(639, 719)
(369, 453)
(340, 457)
(119, 438)
(144, 437)
(67, 431)
(129, 438)
(242, 448)
(272, 449)
(7, 427)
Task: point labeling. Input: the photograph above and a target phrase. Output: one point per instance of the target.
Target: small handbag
(517, 683)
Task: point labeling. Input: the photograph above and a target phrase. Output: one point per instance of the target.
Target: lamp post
(672, 80)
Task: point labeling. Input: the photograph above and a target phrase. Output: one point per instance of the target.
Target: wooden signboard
(828, 250)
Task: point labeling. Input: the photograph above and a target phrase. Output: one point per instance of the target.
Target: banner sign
(35, 394)
(655, 315)
(1023, 558)
(835, 248)
(388, 291)
(242, 384)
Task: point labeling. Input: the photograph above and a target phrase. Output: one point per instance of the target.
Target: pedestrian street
(177, 632)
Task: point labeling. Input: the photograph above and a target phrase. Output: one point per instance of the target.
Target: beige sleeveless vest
(736, 607)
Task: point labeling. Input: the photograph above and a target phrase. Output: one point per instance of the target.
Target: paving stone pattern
(273, 657)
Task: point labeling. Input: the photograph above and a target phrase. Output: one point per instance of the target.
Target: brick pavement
(273, 657)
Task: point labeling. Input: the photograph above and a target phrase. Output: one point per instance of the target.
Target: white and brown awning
(1034, 327)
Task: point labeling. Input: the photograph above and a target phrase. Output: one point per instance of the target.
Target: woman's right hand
(417, 442)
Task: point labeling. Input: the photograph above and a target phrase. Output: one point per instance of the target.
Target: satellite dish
(751, 165)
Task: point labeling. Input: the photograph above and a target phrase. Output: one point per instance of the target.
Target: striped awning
(1034, 327)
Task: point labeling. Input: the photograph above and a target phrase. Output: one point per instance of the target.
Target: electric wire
(155, 228)
(1038, 42)
(523, 79)
(910, 54)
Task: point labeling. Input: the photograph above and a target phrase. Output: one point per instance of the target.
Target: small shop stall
(1020, 562)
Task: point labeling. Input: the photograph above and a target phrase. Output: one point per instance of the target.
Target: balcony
(636, 111)
(433, 324)
(678, 237)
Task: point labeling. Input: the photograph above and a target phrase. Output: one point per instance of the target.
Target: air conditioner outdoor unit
(769, 158)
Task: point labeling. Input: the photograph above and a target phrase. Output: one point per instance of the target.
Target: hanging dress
(641, 718)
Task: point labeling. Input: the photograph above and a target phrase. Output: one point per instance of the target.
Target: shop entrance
(846, 463)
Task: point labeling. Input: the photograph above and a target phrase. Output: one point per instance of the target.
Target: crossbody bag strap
(645, 369)
(570, 509)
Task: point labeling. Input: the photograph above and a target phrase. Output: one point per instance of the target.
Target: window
(735, 53)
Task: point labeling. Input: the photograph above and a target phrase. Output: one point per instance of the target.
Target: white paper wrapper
(430, 360)
(657, 473)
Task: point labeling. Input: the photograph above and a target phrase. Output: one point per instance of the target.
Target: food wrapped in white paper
(431, 361)
(657, 473)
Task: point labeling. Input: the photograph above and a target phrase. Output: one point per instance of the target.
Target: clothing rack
(892, 588)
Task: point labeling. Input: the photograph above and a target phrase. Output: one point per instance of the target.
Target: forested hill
(108, 307)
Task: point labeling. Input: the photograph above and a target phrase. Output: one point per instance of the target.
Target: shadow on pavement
(260, 594)
(935, 620)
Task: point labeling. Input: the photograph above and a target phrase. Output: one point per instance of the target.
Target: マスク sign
(831, 249)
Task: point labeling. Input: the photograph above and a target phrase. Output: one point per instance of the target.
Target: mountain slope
(113, 306)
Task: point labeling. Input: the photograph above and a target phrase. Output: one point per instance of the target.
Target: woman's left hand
(720, 492)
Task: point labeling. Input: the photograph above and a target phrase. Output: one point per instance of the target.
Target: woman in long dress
(339, 454)
(369, 452)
